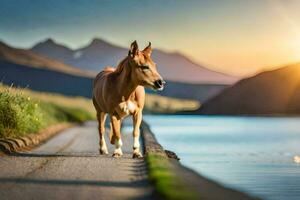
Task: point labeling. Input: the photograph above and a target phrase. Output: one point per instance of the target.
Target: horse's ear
(148, 49)
(134, 49)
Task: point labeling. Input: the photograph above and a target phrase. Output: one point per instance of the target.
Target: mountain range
(99, 53)
(26, 68)
(269, 92)
(28, 58)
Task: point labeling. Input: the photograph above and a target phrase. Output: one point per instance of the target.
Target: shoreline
(228, 115)
(191, 182)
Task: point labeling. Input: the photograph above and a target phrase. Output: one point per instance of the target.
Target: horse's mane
(121, 66)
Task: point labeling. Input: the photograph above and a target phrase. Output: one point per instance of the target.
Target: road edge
(13, 145)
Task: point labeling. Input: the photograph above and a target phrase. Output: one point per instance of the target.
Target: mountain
(28, 58)
(199, 92)
(271, 92)
(26, 69)
(99, 53)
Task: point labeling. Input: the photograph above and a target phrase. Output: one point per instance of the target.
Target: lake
(251, 154)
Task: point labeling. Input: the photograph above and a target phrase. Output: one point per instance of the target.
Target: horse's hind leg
(101, 127)
(137, 119)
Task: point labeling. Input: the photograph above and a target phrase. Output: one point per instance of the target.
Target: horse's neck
(125, 84)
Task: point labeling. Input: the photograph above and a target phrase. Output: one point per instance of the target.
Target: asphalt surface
(69, 166)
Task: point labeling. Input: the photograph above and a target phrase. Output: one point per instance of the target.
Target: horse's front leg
(137, 119)
(116, 126)
(101, 127)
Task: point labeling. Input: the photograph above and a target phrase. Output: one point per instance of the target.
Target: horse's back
(101, 75)
(103, 89)
(99, 85)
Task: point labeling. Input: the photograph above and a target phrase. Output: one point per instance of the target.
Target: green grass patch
(166, 183)
(166, 105)
(20, 114)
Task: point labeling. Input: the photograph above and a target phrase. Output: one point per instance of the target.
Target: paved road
(69, 167)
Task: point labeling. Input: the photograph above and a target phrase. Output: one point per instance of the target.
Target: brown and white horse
(120, 92)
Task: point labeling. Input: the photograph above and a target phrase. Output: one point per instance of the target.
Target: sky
(238, 37)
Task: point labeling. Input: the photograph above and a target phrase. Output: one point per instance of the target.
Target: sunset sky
(239, 37)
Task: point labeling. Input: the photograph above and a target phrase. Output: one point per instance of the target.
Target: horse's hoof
(137, 155)
(103, 152)
(116, 155)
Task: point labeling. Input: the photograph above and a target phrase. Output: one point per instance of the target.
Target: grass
(78, 102)
(23, 112)
(160, 104)
(154, 103)
(166, 183)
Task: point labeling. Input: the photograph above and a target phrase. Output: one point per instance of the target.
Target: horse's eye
(145, 67)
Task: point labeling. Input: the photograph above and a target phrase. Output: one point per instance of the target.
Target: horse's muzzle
(159, 84)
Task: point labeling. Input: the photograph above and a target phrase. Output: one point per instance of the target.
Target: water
(252, 154)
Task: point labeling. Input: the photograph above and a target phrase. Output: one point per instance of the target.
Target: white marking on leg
(136, 148)
(136, 142)
(103, 146)
(118, 145)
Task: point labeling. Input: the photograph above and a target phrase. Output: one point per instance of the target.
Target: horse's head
(144, 70)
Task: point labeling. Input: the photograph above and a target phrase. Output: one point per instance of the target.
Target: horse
(119, 92)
